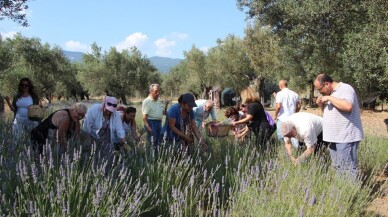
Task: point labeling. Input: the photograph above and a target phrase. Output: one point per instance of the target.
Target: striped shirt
(339, 126)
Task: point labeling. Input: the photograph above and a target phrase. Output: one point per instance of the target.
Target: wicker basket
(215, 129)
(35, 113)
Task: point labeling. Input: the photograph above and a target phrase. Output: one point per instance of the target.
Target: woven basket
(214, 129)
(35, 113)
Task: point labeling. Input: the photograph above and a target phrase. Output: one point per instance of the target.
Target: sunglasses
(25, 85)
(111, 104)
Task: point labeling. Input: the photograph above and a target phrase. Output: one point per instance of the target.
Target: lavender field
(229, 180)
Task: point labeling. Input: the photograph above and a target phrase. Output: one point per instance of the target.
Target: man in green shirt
(153, 109)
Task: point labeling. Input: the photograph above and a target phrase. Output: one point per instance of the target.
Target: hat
(189, 99)
(110, 103)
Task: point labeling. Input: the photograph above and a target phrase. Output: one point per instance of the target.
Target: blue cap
(189, 99)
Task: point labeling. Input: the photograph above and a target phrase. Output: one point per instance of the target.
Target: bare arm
(277, 110)
(171, 123)
(77, 130)
(146, 124)
(133, 131)
(195, 130)
(303, 156)
(63, 126)
(340, 104)
(298, 106)
(8, 99)
(320, 103)
(244, 120)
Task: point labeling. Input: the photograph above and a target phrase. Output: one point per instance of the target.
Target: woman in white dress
(25, 97)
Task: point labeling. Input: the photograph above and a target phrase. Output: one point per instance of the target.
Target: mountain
(162, 64)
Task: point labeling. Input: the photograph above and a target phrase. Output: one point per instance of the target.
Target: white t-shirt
(22, 106)
(289, 100)
(308, 127)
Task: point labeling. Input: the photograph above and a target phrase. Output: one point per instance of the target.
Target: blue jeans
(156, 126)
(344, 158)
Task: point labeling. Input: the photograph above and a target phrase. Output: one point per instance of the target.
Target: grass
(230, 180)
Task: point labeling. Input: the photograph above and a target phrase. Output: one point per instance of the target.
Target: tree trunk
(311, 97)
(205, 93)
(123, 99)
(258, 85)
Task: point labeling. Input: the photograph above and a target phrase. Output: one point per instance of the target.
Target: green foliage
(229, 62)
(50, 71)
(14, 10)
(117, 73)
(346, 39)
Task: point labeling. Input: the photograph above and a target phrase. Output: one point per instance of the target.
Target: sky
(163, 28)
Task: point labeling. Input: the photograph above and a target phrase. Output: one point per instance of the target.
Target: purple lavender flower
(313, 200)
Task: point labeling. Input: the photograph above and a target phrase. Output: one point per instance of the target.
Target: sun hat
(110, 103)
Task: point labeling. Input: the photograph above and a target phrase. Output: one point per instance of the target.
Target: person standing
(287, 103)
(153, 110)
(25, 97)
(202, 111)
(342, 126)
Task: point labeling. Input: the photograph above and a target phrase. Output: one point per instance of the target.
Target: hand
(294, 161)
(188, 139)
(234, 123)
(203, 147)
(325, 99)
(126, 147)
(319, 101)
(149, 129)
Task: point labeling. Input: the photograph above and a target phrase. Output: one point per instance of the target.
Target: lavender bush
(230, 180)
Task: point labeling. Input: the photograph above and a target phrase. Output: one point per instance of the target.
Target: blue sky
(157, 27)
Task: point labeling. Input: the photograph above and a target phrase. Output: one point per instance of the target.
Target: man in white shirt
(287, 103)
(306, 128)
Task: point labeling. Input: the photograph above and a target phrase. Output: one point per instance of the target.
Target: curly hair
(31, 88)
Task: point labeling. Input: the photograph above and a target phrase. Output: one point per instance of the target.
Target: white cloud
(178, 36)
(76, 46)
(205, 49)
(164, 46)
(8, 34)
(137, 39)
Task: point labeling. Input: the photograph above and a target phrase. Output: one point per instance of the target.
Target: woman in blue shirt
(180, 124)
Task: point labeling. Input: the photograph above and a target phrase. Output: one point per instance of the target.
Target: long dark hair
(31, 88)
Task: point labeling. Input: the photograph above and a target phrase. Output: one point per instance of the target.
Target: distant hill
(163, 64)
